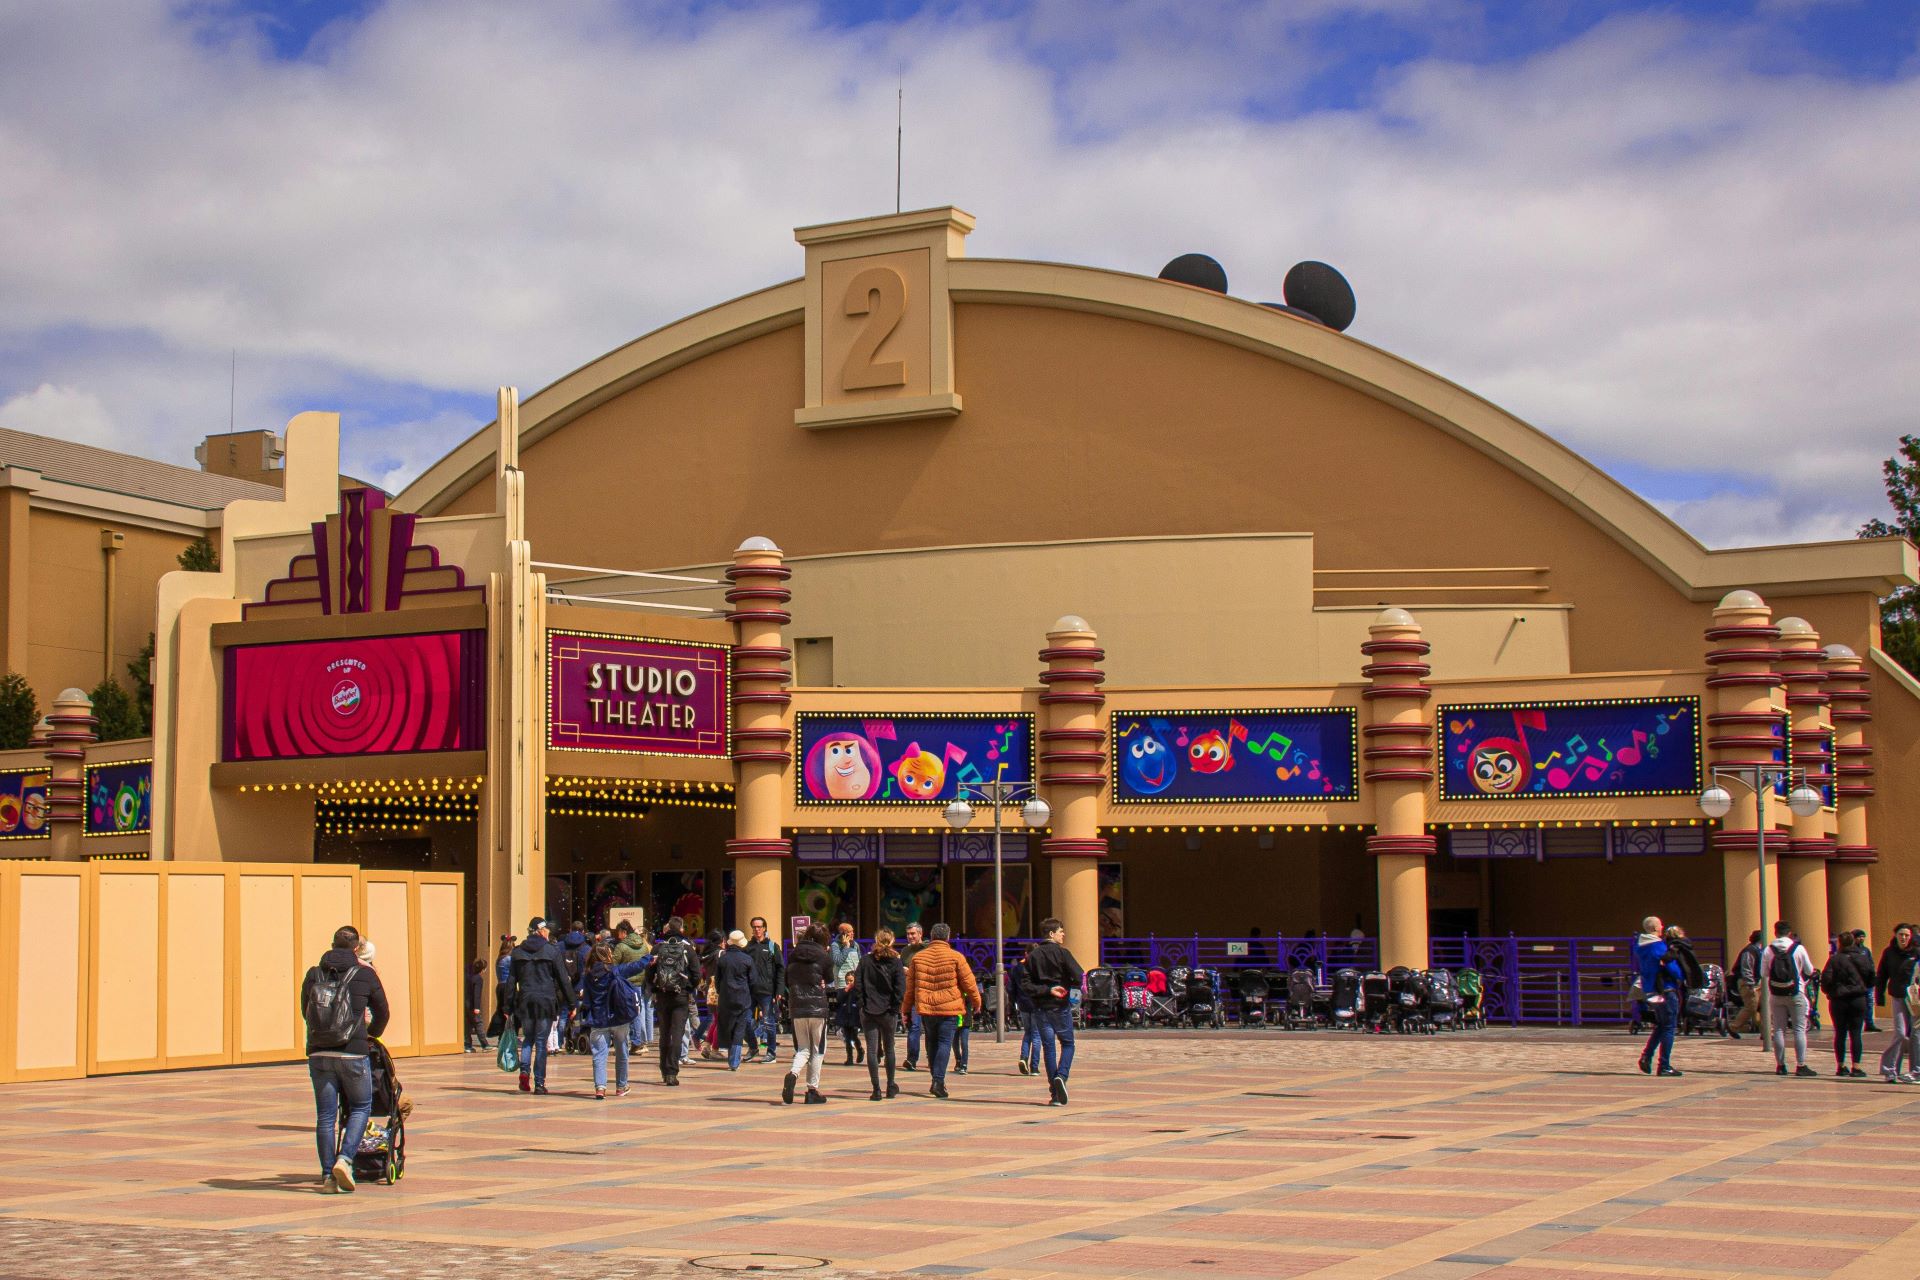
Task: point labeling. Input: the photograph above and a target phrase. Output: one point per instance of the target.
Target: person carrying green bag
(509, 1055)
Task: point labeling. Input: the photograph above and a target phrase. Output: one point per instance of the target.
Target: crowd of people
(1778, 989)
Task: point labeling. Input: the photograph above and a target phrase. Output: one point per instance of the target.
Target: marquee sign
(1258, 755)
(364, 695)
(23, 804)
(1558, 750)
(641, 696)
(870, 758)
(119, 798)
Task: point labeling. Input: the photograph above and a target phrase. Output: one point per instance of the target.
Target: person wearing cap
(542, 995)
(733, 983)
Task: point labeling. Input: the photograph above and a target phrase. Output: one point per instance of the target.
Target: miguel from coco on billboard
(646, 696)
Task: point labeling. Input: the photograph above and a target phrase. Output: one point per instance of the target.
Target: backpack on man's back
(1783, 974)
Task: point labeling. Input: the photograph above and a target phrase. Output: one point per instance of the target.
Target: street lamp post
(1717, 802)
(1035, 813)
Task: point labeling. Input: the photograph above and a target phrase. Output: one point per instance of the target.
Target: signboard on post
(635, 916)
(799, 924)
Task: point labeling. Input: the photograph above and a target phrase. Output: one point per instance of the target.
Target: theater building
(1286, 631)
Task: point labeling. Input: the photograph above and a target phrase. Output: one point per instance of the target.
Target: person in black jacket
(343, 1005)
(879, 988)
(1052, 975)
(674, 976)
(769, 982)
(733, 985)
(809, 975)
(542, 995)
(476, 995)
(1892, 977)
(1848, 991)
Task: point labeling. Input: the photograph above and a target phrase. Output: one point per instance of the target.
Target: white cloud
(1632, 241)
(65, 413)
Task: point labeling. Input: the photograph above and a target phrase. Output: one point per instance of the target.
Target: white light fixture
(958, 814)
(1715, 802)
(1035, 812)
(1804, 801)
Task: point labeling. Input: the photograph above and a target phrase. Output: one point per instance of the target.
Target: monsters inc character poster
(23, 805)
(1273, 755)
(909, 895)
(829, 897)
(853, 758)
(119, 798)
(1552, 750)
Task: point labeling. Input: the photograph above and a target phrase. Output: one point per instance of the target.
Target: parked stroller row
(1399, 1000)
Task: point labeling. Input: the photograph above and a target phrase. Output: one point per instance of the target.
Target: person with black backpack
(675, 973)
(343, 1005)
(608, 1006)
(1849, 992)
(1788, 971)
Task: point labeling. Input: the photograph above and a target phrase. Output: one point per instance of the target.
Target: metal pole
(1760, 856)
(999, 928)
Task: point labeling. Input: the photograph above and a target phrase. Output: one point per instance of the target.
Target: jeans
(640, 1030)
(1663, 1016)
(334, 1079)
(809, 1044)
(476, 1029)
(879, 1033)
(672, 1012)
(600, 1039)
(962, 1031)
(1789, 1017)
(1849, 1021)
(1030, 1038)
(1905, 1042)
(533, 1048)
(736, 1024)
(1056, 1036)
(766, 1023)
(940, 1031)
(914, 1028)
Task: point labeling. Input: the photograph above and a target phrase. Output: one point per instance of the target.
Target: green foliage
(200, 556)
(1900, 612)
(115, 710)
(140, 671)
(19, 711)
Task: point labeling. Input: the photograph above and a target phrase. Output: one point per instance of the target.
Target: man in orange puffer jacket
(940, 987)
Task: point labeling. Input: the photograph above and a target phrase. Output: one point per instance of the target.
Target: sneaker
(1841, 1072)
(342, 1175)
(1733, 1035)
(1059, 1086)
(893, 1090)
(1780, 1070)
(909, 1065)
(770, 1058)
(1804, 1070)
(673, 1081)
(526, 1083)
(1906, 1078)
(786, 1088)
(1646, 1066)
(1023, 1070)
(622, 1091)
(1670, 1071)
(938, 1091)
(599, 1095)
(875, 1096)
(539, 1088)
(813, 1097)
(1857, 1074)
(959, 1071)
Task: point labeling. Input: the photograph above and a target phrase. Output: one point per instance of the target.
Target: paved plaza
(1530, 1155)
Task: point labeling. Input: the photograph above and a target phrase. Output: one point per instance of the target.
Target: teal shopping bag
(509, 1055)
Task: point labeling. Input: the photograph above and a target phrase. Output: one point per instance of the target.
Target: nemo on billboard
(366, 695)
(647, 696)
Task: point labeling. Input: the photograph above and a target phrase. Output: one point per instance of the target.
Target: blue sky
(1680, 237)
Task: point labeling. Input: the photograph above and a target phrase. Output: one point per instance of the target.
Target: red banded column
(1073, 768)
(762, 742)
(1743, 728)
(1399, 770)
(1803, 860)
(70, 731)
(1849, 898)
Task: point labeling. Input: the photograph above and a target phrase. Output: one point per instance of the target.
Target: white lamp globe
(1804, 801)
(1715, 802)
(1036, 813)
(958, 814)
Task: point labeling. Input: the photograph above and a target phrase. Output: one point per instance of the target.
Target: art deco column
(1743, 728)
(1399, 755)
(72, 724)
(762, 742)
(1072, 771)
(1803, 861)
(1849, 901)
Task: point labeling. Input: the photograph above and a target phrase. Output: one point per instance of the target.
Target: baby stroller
(1348, 1004)
(1300, 1000)
(1375, 1000)
(382, 1156)
(1705, 1010)
(1201, 1004)
(1253, 988)
(1473, 998)
(1407, 1000)
(1101, 1004)
(1135, 999)
(1443, 1002)
(1163, 996)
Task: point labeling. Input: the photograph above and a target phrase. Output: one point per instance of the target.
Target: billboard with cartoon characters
(23, 804)
(1557, 750)
(1256, 755)
(872, 759)
(119, 798)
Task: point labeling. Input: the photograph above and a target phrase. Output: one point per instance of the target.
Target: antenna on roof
(899, 136)
(233, 380)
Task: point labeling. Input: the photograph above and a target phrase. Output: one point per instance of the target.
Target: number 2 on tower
(880, 294)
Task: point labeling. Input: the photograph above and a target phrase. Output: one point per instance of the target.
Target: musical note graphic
(1182, 740)
(970, 773)
(1630, 755)
(1267, 747)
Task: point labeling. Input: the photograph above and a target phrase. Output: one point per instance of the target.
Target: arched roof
(1877, 565)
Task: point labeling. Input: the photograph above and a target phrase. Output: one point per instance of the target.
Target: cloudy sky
(1682, 237)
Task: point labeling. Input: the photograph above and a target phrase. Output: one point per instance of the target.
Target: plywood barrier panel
(442, 971)
(326, 903)
(47, 961)
(387, 928)
(196, 969)
(126, 972)
(267, 1000)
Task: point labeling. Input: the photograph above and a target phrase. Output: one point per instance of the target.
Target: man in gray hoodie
(1787, 969)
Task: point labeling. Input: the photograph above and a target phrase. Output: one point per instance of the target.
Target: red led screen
(370, 695)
